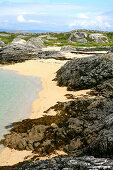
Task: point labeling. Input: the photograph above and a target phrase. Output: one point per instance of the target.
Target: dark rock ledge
(65, 163)
(82, 126)
(20, 50)
(84, 73)
(15, 53)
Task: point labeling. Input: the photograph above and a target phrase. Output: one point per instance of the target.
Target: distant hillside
(82, 38)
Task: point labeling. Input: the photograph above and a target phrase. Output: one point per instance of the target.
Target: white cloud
(20, 18)
(40, 8)
(92, 22)
(60, 16)
(82, 16)
(33, 21)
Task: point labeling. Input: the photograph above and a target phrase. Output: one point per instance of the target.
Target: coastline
(48, 96)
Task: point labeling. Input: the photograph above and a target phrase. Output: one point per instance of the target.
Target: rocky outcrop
(35, 43)
(20, 50)
(111, 50)
(28, 141)
(16, 53)
(51, 54)
(85, 73)
(99, 38)
(78, 37)
(19, 41)
(66, 163)
(5, 35)
(70, 48)
(51, 38)
(67, 48)
(2, 44)
(22, 36)
(88, 37)
(81, 126)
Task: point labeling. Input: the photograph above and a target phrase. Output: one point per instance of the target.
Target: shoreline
(47, 97)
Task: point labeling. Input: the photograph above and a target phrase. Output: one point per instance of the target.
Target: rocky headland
(83, 126)
(18, 47)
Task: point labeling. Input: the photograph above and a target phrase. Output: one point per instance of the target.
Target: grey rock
(99, 38)
(111, 50)
(49, 54)
(78, 37)
(16, 53)
(84, 73)
(37, 133)
(17, 141)
(86, 126)
(51, 38)
(14, 141)
(5, 35)
(2, 44)
(19, 51)
(89, 127)
(75, 144)
(35, 43)
(82, 40)
(76, 124)
(69, 163)
(19, 41)
(22, 36)
(102, 146)
(68, 48)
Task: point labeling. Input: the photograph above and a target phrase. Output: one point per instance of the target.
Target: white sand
(49, 96)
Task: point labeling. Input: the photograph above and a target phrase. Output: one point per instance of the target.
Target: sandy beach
(48, 96)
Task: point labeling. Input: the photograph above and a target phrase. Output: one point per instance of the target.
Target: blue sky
(56, 15)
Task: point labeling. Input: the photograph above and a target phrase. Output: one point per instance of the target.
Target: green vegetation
(8, 39)
(110, 35)
(61, 36)
(104, 39)
(64, 43)
(30, 36)
(89, 39)
(98, 48)
(62, 39)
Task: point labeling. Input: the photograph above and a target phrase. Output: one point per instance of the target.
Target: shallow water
(17, 93)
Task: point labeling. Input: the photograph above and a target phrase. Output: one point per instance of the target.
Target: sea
(17, 92)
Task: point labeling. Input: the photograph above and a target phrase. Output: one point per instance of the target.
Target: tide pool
(17, 92)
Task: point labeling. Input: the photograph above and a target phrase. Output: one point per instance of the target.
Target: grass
(97, 48)
(89, 39)
(110, 35)
(8, 39)
(62, 40)
(61, 36)
(30, 36)
(61, 43)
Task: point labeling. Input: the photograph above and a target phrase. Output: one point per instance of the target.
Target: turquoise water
(17, 93)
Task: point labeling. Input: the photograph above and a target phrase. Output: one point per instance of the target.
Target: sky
(56, 15)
